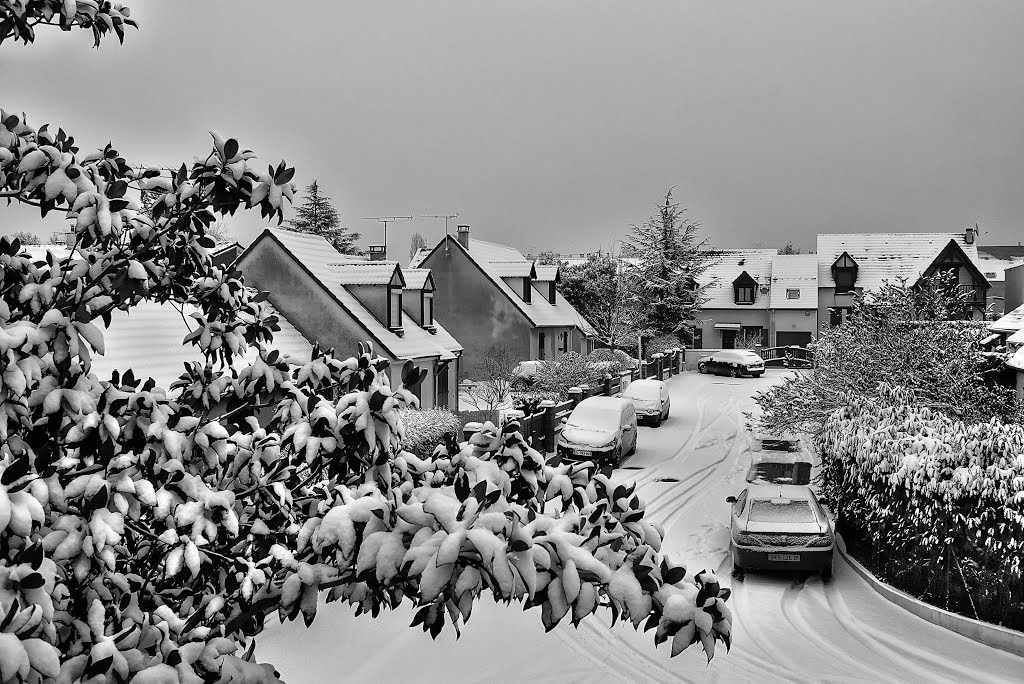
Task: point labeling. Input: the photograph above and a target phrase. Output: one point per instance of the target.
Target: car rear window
(751, 356)
(798, 473)
(781, 511)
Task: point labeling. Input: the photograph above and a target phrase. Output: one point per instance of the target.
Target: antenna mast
(446, 217)
(386, 220)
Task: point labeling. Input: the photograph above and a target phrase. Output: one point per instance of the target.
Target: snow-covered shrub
(928, 491)
(426, 428)
(528, 401)
(569, 370)
(146, 533)
(901, 334)
(612, 361)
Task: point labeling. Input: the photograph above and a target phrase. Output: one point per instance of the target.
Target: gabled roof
(1009, 323)
(419, 256)
(418, 279)
(148, 339)
(889, 257)
(731, 264)
(744, 279)
(1003, 252)
(547, 273)
(539, 312)
(316, 256)
(367, 272)
(794, 272)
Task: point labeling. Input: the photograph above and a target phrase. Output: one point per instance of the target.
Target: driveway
(787, 627)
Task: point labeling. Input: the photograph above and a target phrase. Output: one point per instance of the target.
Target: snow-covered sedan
(781, 527)
(735, 362)
(599, 429)
(650, 399)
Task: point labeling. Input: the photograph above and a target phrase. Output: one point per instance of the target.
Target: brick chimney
(378, 253)
(464, 237)
(970, 234)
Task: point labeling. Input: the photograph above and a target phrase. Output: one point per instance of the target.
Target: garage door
(792, 339)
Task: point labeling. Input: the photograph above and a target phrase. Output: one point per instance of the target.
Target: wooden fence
(791, 357)
(541, 428)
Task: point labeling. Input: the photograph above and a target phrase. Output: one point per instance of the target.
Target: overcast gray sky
(556, 124)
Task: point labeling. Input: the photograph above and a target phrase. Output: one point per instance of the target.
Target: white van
(650, 399)
(599, 429)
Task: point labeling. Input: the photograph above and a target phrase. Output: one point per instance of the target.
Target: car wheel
(702, 368)
(736, 372)
(826, 571)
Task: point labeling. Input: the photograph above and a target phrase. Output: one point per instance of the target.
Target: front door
(728, 339)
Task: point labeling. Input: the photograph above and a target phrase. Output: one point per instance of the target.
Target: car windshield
(642, 390)
(781, 511)
(594, 417)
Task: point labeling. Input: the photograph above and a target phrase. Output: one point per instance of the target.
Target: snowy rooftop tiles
(794, 281)
(730, 265)
(1011, 322)
(888, 257)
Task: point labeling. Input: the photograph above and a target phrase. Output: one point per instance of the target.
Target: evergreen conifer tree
(317, 216)
(669, 275)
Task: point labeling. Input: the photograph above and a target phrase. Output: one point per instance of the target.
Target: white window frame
(792, 293)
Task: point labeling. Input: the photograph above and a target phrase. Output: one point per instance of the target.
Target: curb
(1003, 638)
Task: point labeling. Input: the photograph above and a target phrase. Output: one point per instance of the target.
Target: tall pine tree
(673, 259)
(318, 216)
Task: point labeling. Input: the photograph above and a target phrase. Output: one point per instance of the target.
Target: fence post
(682, 359)
(607, 384)
(643, 370)
(575, 395)
(548, 421)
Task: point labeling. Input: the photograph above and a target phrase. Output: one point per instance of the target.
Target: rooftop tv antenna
(446, 217)
(386, 220)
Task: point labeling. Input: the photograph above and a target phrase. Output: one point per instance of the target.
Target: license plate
(582, 452)
(790, 557)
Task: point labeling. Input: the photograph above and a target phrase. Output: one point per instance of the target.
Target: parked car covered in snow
(527, 370)
(781, 527)
(650, 399)
(779, 460)
(735, 362)
(599, 429)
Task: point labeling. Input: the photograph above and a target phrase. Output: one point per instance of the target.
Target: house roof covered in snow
(731, 264)
(888, 257)
(794, 281)
(320, 260)
(365, 272)
(417, 278)
(546, 273)
(498, 260)
(1009, 323)
(148, 339)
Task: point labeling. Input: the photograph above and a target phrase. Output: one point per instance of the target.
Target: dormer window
(395, 308)
(527, 290)
(427, 309)
(844, 273)
(744, 288)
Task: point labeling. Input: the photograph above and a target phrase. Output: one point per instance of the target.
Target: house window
(442, 386)
(551, 292)
(990, 274)
(792, 293)
(395, 308)
(427, 314)
(744, 288)
(527, 290)
(838, 315)
(844, 273)
(540, 345)
(563, 342)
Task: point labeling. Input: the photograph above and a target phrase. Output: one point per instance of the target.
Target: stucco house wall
(477, 313)
(313, 311)
(712, 338)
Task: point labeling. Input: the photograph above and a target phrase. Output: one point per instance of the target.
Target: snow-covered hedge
(926, 489)
(426, 428)
(146, 533)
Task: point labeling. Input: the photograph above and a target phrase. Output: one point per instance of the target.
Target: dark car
(781, 527)
(734, 362)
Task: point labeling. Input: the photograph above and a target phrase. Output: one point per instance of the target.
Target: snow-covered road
(786, 628)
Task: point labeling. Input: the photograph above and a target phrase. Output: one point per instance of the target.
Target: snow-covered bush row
(921, 484)
(426, 428)
(570, 370)
(145, 534)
